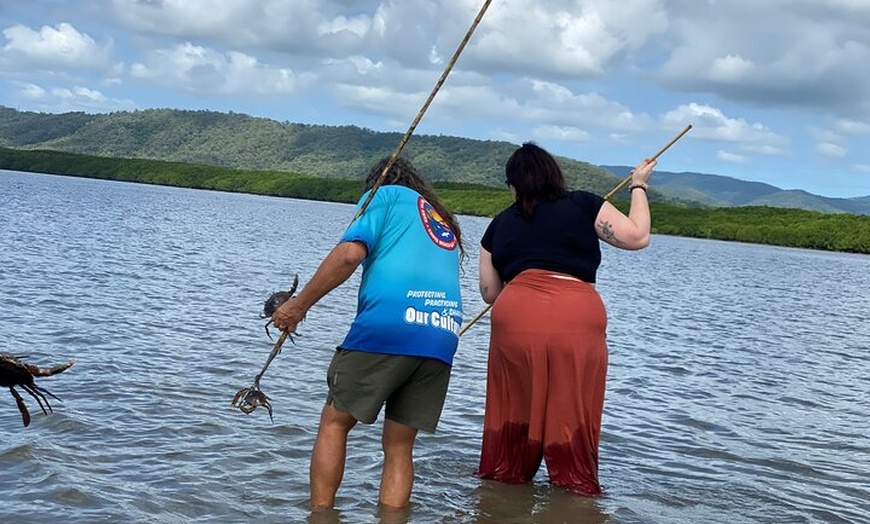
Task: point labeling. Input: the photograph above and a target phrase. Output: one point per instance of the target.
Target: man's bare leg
(397, 477)
(327, 458)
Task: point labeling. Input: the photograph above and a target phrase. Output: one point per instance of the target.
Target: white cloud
(560, 133)
(552, 37)
(405, 32)
(850, 8)
(78, 93)
(576, 38)
(77, 98)
(557, 104)
(464, 100)
(31, 91)
(831, 150)
(363, 65)
(299, 26)
(620, 138)
(731, 158)
(710, 123)
(853, 127)
(472, 97)
(730, 69)
(772, 53)
(761, 149)
(825, 135)
(61, 46)
(506, 136)
(862, 168)
(198, 69)
(379, 100)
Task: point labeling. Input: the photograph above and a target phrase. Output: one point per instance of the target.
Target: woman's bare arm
(490, 283)
(630, 231)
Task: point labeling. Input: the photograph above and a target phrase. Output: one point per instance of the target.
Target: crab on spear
(15, 372)
(250, 398)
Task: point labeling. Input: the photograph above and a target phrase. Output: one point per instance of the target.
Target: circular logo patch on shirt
(437, 228)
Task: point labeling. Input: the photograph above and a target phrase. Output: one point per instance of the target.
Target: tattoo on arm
(606, 232)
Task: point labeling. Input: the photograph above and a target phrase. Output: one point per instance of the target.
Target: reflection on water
(494, 503)
(737, 388)
(535, 503)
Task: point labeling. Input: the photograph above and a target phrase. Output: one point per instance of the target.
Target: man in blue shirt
(399, 349)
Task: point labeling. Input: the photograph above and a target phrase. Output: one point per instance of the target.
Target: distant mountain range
(241, 141)
(724, 191)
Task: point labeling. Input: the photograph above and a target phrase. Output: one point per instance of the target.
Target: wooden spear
(410, 131)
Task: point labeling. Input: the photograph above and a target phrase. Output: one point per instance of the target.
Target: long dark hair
(403, 173)
(535, 176)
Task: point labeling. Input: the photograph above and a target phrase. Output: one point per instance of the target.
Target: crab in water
(15, 372)
(249, 399)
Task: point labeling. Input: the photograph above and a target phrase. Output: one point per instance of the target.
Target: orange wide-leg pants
(546, 377)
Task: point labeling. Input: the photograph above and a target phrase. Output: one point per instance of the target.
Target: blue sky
(777, 91)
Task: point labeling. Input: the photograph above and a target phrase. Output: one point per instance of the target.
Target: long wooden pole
(608, 196)
(404, 140)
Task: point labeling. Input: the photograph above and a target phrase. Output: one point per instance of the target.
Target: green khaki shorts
(413, 388)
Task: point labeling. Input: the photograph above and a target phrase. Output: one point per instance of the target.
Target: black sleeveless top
(559, 237)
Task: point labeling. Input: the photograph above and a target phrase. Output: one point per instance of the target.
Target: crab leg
(37, 393)
(22, 407)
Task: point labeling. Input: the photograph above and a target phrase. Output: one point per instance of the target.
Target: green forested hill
(239, 141)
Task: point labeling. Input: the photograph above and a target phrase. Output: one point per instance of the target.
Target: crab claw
(41, 372)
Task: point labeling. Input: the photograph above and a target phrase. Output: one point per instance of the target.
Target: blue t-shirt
(409, 300)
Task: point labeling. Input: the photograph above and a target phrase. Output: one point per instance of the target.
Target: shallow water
(737, 390)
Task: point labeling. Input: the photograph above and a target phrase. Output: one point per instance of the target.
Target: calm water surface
(737, 391)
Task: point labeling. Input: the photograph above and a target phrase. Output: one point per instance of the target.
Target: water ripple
(735, 393)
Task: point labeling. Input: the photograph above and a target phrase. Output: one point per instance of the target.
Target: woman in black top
(548, 353)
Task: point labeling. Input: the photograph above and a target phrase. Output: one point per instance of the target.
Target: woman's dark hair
(536, 177)
(403, 173)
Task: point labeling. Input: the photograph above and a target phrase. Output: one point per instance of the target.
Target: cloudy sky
(777, 91)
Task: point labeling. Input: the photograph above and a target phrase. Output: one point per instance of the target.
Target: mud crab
(15, 372)
(275, 300)
(249, 399)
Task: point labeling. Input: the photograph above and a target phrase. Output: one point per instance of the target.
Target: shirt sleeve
(589, 202)
(486, 240)
(367, 227)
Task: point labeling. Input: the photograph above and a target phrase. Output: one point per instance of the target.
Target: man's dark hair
(535, 176)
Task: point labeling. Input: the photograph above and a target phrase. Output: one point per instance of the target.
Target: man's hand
(289, 315)
(336, 268)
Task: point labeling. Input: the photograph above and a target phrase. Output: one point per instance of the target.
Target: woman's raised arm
(630, 231)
